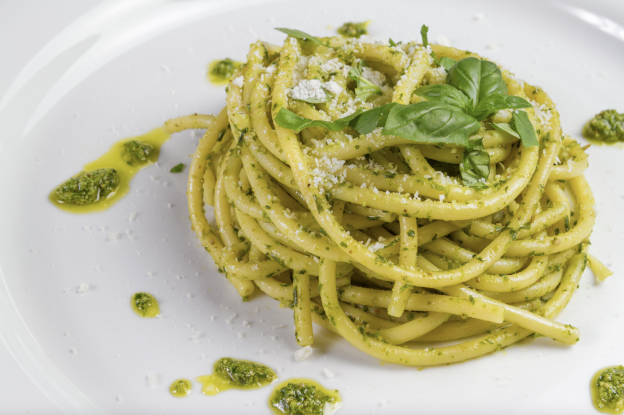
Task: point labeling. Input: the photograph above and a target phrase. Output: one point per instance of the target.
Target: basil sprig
(361, 121)
(301, 35)
(365, 88)
(452, 112)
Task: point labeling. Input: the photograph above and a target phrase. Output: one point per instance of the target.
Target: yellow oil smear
(217, 78)
(145, 305)
(181, 388)
(213, 384)
(333, 407)
(216, 383)
(595, 395)
(112, 159)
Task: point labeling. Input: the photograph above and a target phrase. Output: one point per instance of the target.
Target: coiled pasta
(365, 235)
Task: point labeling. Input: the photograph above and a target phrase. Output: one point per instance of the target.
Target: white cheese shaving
(303, 353)
(329, 374)
(239, 81)
(152, 379)
(82, 288)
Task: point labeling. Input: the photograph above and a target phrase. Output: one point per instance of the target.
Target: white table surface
(26, 29)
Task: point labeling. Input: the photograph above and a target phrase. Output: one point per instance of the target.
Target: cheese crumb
(239, 81)
(303, 353)
(82, 288)
(328, 373)
(152, 379)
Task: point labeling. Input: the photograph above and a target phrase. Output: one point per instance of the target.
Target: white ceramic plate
(127, 66)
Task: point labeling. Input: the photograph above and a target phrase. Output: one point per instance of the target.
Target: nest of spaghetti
(385, 240)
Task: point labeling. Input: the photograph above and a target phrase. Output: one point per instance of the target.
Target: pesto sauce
(113, 159)
(236, 374)
(607, 390)
(220, 71)
(145, 305)
(302, 397)
(351, 29)
(607, 127)
(88, 187)
(136, 153)
(181, 388)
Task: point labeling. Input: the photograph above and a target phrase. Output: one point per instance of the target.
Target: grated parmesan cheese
(239, 81)
(303, 353)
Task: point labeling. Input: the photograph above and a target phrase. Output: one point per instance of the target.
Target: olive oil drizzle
(112, 159)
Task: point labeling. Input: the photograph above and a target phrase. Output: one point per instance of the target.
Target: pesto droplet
(220, 71)
(607, 389)
(243, 373)
(145, 305)
(236, 374)
(302, 397)
(351, 29)
(607, 126)
(88, 187)
(136, 153)
(181, 388)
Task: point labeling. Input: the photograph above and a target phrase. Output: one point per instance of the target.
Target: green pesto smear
(303, 397)
(605, 127)
(181, 388)
(106, 180)
(220, 71)
(145, 305)
(607, 390)
(351, 29)
(236, 374)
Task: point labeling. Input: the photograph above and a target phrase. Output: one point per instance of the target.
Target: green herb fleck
(177, 168)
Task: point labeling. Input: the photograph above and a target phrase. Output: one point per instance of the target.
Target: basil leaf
(313, 100)
(371, 119)
(391, 42)
(361, 121)
(445, 94)
(475, 166)
(365, 88)
(290, 120)
(477, 79)
(447, 63)
(177, 168)
(301, 35)
(524, 128)
(506, 128)
(431, 122)
(423, 33)
(495, 102)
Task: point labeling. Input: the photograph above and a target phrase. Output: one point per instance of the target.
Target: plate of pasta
(348, 208)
